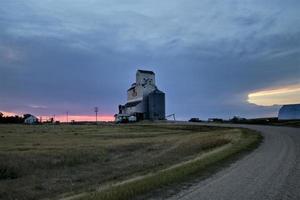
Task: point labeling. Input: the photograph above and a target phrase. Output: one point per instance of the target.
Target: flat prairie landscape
(57, 161)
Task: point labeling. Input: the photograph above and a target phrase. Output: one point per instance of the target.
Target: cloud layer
(208, 55)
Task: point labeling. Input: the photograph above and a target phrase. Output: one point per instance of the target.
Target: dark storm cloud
(208, 56)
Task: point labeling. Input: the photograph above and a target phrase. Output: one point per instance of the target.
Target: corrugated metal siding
(156, 106)
(289, 112)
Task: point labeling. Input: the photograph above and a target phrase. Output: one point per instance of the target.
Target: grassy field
(290, 123)
(271, 122)
(53, 161)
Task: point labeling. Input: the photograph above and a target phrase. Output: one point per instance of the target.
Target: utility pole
(96, 111)
(67, 117)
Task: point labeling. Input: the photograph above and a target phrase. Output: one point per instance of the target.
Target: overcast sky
(208, 56)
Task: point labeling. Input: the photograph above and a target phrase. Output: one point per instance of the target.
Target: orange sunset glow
(278, 96)
(63, 118)
(9, 113)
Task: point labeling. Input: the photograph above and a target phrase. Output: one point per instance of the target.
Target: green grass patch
(180, 173)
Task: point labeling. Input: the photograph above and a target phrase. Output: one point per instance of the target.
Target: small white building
(31, 120)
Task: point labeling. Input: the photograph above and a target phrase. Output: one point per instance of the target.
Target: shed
(31, 120)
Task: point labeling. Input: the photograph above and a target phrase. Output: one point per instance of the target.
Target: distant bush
(195, 120)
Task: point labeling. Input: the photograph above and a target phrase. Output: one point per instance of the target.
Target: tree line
(12, 119)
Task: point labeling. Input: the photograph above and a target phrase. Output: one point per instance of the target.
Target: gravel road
(271, 172)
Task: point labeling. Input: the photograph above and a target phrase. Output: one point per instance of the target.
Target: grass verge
(178, 173)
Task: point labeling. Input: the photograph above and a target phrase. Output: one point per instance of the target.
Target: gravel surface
(272, 171)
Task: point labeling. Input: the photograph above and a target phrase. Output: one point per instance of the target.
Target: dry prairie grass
(45, 161)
